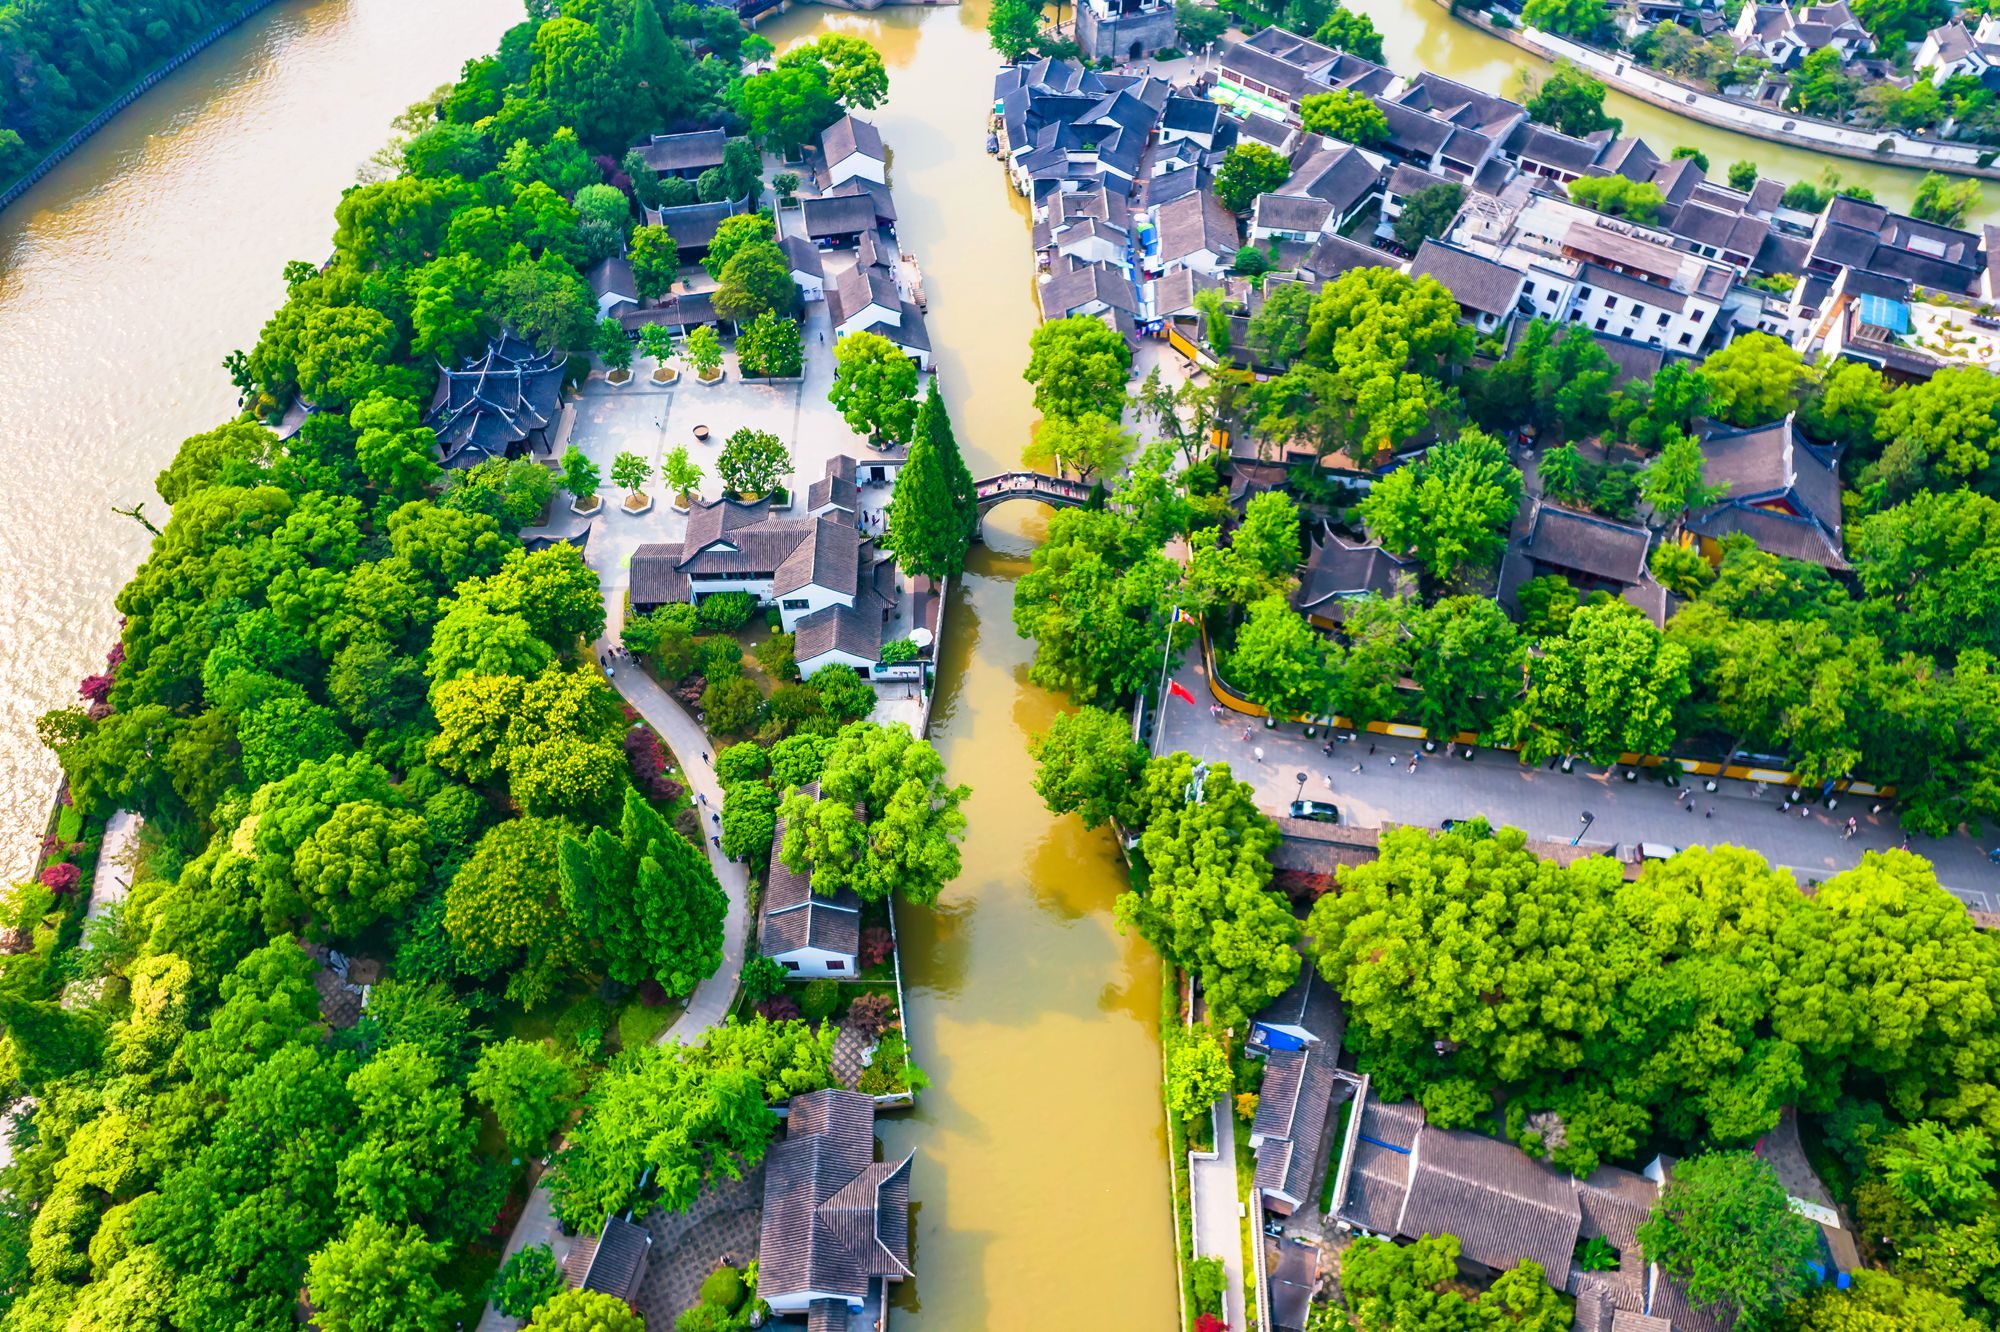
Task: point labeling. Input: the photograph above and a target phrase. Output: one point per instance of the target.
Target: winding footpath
(713, 998)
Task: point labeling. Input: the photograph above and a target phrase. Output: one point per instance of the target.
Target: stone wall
(1115, 38)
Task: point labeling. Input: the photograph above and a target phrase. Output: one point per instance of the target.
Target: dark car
(1316, 810)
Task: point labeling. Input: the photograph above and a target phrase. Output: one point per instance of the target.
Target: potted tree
(631, 471)
(704, 353)
(614, 348)
(682, 476)
(786, 183)
(752, 463)
(658, 343)
(580, 479)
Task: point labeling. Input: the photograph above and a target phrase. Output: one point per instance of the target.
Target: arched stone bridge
(1054, 491)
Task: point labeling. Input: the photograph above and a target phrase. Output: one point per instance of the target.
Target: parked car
(1318, 811)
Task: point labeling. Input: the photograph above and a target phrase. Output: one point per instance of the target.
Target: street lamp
(1586, 819)
(1300, 794)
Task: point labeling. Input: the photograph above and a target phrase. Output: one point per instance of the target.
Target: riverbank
(1886, 148)
(34, 174)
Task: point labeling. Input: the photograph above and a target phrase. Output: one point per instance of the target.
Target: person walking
(1413, 764)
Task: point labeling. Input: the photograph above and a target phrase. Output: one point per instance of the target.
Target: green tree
(1449, 510)
(933, 511)
(545, 302)
(732, 236)
(1345, 114)
(1672, 483)
(529, 1089)
(1280, 662)
(1755, 380)
(585, 1311)
(681, 475)
(1618, 196)
(875, 388)
(1742, 175)
(1248, 170)
(579, 475)
(771, 347)
(1877, 1302)
(656, 262)
(704, 351)
(614, 346)
(884, 821)
(1844, 410)
(786, 106)
(1571, 100)
(1466, 659)
(505, 912)
(1427, 214)
(1078, 366)
(1206, 905)
(375, 1278)
(1088, 764)
(1198, 1073)
(631, 471)
(1822, 87)
(526, 1281)
(1583, 19)
(1199, 25)
(1394, 1286)
(757, 279)
(1902, 21)
(1097, 613)
(1608, 685)
(653, 903)
(852, 68)
(1014, 26)
(1943, 201)
(1354, 33)
(1078, 445)
(752, 462)
(1724, 1225)
(363, 863)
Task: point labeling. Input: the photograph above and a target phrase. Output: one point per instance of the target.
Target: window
(1686, 338)
(1610, 303)
(791, 965)
(836, 964)
(1528, 287)
(1575, 316)
(1585, 292)
(795, 603)
(1600, 326)
(1663, 319)
(1627, 333)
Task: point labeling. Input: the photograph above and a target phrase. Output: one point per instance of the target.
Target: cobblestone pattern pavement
(720, 1227)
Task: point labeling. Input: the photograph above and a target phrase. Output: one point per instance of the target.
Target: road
(713, 998)
(1217, 1214)
(1549, 804)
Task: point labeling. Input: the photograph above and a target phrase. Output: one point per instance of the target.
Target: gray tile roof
(696, 151)
(838, 215)
(1586, 543)
(612, 276)
(619, 1259)
(694, 225)
(1770, 463)
(1341, 176)
(1081, 284)
(804, 256)
(1336, 571)
(793, 916)
(1333, 255)
(1291, 212)
(835, 1219)
(850, 135)
(1196, 222)
(1308, 1003)
(494, 400)
(1476, 282)
(1294, 1110)
(1502, 1205)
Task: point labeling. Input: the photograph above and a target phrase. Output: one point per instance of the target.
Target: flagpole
(1166, 656)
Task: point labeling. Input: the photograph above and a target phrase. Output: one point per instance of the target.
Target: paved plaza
(1549, 804)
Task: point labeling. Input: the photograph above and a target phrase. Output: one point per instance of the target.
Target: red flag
(1175, 689)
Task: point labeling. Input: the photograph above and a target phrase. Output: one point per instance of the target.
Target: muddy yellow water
(127, 276)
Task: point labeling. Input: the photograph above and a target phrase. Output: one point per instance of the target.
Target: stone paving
(720, 1227)
(1377, 788)
(1217, 1211)
(850, 1056)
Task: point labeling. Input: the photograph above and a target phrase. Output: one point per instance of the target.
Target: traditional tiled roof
(1310, 1004)
(838, 215)
(619, 1259)
(835, 1219)
(1290, 212)
(1294, 1108)
(612, 276)
(1502, 1205)
(696, 151)
(1081, 284)
(1331, 256)
(1475, 282)
(495, 400)
(1192, 224)
(803, 256)
(1190, 115)
(694, 225)
(1586, 543)
(850, 135)
(792, 916)
(1767, 470)
(1337, 570)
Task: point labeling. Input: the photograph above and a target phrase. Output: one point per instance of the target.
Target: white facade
(866, 669)
(814, 964)
(867, 317)
(812, 287)
(857, 165)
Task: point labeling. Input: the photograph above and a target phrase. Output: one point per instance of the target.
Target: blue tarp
(1882, 312)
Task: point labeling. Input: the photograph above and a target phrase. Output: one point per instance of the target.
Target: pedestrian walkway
(117, 856)
(1371, 783)
(1214, 1204)
(713, 998)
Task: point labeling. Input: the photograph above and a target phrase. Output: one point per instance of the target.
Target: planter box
(680, 503)
(720, 375)
(671, 377)
(590, 510)
(772, 379)
(618, 378)
(645, 504)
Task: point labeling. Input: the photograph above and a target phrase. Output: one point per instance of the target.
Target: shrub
(876, 945)
(871, 1013)
(583, 1025)
(61, 878)
(732, 706)
(704, 1318)
(1208, 1278)
(648, 758)
(779, 1008)
(774, 654)
(95, 688)
(901, 649)
(818, 999)
(527, 1281)
(762, 978)
(1246, 1106)
(741, 763)
(688, 824)
(723, 1288)
(718, 657)
(726, 611)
